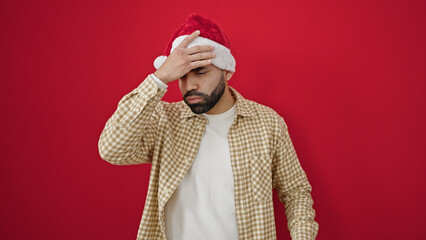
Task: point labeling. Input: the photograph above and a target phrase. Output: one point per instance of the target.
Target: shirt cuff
(160, 83)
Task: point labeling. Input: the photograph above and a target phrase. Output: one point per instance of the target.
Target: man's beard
(209, 100)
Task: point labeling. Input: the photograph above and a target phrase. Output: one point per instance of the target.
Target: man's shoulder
(254, 108)
(270, 119)
(267, 115)
(261, 110)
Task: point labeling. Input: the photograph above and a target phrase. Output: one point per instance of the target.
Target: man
(215, 156)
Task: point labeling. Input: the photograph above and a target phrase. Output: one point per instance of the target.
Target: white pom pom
(159, 61)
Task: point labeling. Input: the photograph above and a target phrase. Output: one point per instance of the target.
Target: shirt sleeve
(293, 187)
(160, 83)
(129, 134)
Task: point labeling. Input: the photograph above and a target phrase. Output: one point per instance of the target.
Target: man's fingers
(199, 48)
(201, 56)
(188, 39)
(202, 63)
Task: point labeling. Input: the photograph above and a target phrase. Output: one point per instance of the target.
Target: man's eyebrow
(198, 69)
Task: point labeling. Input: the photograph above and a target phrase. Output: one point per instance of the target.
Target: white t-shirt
(202, 207)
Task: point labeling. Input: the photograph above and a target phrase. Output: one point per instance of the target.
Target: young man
(215, 156)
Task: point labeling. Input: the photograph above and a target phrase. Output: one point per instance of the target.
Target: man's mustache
(194, 93)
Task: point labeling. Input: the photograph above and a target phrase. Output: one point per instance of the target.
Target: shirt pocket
(261, 177)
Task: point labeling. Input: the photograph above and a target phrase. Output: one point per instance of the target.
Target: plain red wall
(347, 76)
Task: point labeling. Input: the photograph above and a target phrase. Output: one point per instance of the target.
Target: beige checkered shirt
(144, 129)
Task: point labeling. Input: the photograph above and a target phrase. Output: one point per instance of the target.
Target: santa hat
(210, 34)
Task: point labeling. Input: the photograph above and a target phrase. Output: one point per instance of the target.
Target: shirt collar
(242, 105)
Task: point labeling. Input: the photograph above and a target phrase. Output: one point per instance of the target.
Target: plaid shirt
(144, 129)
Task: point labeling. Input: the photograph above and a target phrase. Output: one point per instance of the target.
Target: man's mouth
(193, 99)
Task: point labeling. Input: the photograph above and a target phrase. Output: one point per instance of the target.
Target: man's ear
(228, 75)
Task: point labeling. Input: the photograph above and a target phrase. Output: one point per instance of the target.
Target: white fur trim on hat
(159, 61)
(223, 60)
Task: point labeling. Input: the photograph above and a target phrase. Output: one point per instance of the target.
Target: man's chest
(248, 146)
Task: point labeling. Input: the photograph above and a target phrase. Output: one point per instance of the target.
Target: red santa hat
(210, 34)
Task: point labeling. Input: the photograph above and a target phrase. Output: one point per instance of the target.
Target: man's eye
(202, 73)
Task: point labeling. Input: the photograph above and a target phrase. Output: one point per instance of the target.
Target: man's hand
(183, 59)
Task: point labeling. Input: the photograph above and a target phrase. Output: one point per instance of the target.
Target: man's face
(202, 88)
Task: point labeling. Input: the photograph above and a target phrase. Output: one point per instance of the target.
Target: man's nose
(191, 83)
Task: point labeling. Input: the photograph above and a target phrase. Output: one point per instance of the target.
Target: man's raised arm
(129, 134)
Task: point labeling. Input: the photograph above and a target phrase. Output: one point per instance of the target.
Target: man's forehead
(207, 67)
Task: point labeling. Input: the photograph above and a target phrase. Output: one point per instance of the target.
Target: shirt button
(152, 92)
(137, 109)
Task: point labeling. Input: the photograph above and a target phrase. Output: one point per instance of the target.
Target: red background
(347, 76)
